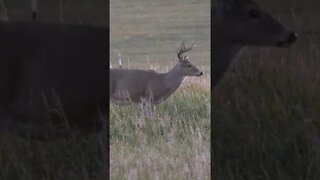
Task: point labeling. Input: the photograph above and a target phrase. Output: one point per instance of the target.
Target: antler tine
(180, 52)
(183, 49)
(183, 45)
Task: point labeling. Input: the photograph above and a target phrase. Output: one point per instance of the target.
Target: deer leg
(152, 107)
(143, 107)
(146, 107)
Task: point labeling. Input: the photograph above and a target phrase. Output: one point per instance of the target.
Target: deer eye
(189, 65)
(253, 13)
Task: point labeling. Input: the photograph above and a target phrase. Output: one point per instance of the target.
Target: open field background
(80, 157)
(157, 28)
(175, 144)
(266, 110)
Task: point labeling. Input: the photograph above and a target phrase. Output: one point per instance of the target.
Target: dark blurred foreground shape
(266, 109)
(89, 12)
(239, 24)
(54, 75)
(53, 78)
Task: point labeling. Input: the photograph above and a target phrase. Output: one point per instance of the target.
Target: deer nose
(200, 74)
(290, 39)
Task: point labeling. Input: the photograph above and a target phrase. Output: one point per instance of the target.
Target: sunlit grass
(175, 143)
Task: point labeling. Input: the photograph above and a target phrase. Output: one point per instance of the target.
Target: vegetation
(175, 143)
(76, 158)
(266, 116)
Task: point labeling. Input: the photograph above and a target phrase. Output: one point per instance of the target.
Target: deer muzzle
(289, 40)
(200, 73)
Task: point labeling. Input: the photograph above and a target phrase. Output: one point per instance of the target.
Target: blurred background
(142, 28)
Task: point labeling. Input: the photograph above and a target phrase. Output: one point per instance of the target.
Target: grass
(175, 143)
(266, 116)
(157, 28)
(75, 158)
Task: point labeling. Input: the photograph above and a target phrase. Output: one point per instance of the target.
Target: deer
(139, 86)
(240, 23)
(53, 78)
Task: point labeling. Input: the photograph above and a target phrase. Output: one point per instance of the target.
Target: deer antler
(183, 49)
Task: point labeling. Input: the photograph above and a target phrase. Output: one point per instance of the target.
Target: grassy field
(157, 28)
(175, 143)
(266, 110)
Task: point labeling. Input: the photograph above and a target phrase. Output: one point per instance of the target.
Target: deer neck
(224, 53)
(224, 50)
(173, 79)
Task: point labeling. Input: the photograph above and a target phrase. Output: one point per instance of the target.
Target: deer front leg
(147, 107)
